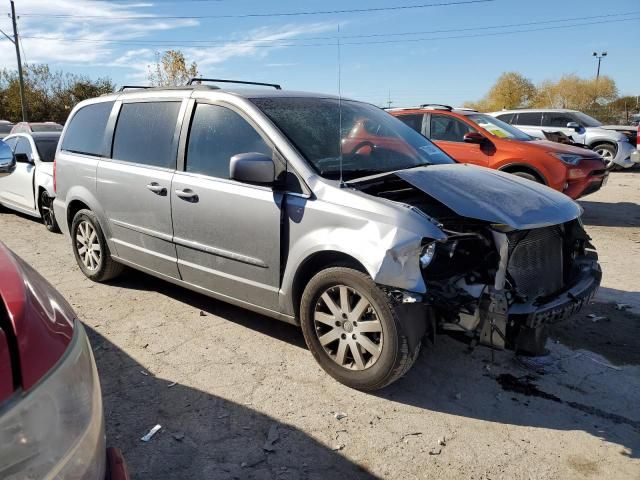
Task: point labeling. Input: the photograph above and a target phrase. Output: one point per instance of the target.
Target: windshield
(46, 148)
(371, 141)
(585, 120)
(498, 127)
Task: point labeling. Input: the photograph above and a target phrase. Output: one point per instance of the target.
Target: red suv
(51, 418)
(472, 137)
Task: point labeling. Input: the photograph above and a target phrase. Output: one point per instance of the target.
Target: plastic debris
(172, 384)
(622, 306)
(272, 437)
(178, 436)
(596, 318)
(151, 433)
(442, 442)
(405, 437)
(340, 416)
(338, 447)
(435, 451)
(144, 373)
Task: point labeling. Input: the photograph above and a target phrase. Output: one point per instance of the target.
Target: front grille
(535, 261)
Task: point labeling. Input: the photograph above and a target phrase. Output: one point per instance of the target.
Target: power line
(208, 42)
(372, 42)
(253, 15)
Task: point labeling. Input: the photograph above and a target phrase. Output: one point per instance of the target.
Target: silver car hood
(493, 196)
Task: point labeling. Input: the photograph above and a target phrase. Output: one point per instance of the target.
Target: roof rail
(438, 105)
(133, 87)
(219, 80)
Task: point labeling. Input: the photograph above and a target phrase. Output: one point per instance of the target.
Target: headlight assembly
(568, 158)
(55, 430)
(427, 254)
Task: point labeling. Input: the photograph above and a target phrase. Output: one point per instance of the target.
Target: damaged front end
(500, 279)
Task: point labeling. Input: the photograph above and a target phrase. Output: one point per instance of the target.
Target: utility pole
(599, 57)
(389, 101)
(17, 45)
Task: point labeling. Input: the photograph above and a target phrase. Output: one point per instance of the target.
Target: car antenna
(342, 184)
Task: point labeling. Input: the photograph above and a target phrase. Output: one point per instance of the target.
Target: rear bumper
(624, 154)
(635, 156)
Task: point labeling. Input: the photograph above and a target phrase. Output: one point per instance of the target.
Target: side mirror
(473, 137)
(7, 160)
(23, 158)
(252, 168)
(575, 125)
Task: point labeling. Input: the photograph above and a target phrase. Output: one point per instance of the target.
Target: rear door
(530, 123)
(17, 189)
(448, 133)
(227, 233)
(133, 186)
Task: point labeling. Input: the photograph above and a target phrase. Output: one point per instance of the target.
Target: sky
(408, 51)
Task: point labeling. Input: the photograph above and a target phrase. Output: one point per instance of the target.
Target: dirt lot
(220, 380)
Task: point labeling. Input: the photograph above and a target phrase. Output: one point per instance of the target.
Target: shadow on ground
(607, 214)
(203, 436)
(440, 373)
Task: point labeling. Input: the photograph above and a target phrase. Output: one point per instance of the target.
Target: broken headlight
(427, 254)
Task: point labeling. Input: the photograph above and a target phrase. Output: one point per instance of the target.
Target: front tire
(90, 248)
(47, 214)
(608, 153)
(527, 175)
(352, 330)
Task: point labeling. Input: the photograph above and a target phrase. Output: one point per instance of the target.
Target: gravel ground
(239, 396)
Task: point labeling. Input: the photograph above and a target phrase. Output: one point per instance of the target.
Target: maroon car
(51, 417)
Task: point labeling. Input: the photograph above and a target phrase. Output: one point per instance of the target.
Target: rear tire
(46, 212)
(90, 248)
(363, 345)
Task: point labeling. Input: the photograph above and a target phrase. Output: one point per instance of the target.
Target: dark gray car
(323, 212)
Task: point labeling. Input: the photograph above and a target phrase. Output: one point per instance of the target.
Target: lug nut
(343, 336)
(353, 336)
(338, 323)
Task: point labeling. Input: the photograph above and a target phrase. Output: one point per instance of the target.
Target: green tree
(171, 69)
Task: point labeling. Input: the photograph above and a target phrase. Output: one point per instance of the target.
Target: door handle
(157, 188)
(187, 194)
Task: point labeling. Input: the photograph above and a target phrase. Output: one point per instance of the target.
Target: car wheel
(47, 214)
(527, 175)
(352, 330)
(90, 248)
(608, 153)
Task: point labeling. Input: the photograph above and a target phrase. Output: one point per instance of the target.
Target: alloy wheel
(348, 328)
(88, 245)
(46, 210)
(607, 156)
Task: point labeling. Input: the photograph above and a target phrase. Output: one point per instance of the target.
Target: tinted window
(557, 119)
(529, 118)
(46, 148)
(23, 146)
(414, 121)
(506, 117)
(5, 127)
(46, 127)
(144, 133)
(448, 129)
(216, 135)
(85, 133)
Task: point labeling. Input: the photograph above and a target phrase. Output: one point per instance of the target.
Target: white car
(613, 142)
(29, 189)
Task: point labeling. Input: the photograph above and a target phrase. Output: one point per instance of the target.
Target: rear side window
(46, 148)
(145, 134)
(217, 134)
(529, 118)
(506, 117)
(85, 133)
(557, 119)
(448, 129)
(414, 121)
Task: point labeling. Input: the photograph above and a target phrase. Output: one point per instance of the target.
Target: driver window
(24, 146)
(557, 119)
(448, 129)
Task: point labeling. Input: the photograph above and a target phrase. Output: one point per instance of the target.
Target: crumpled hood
(493, 196)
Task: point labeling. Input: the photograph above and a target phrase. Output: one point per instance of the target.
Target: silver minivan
(324, 212)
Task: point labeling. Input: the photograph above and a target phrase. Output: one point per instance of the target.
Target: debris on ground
(203, 313)
(338, 447)
(178, 436)
(598, 318)
(435, 451)
(272, 437)
(340, 416)
(622, 306)
(223, 415)
(405, 437)
(144, 373)
(442, 441)
(458, 396)
(541, 364)
(172, 384)
(151, 433)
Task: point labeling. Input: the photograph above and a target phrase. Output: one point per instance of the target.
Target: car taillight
(54, 175)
